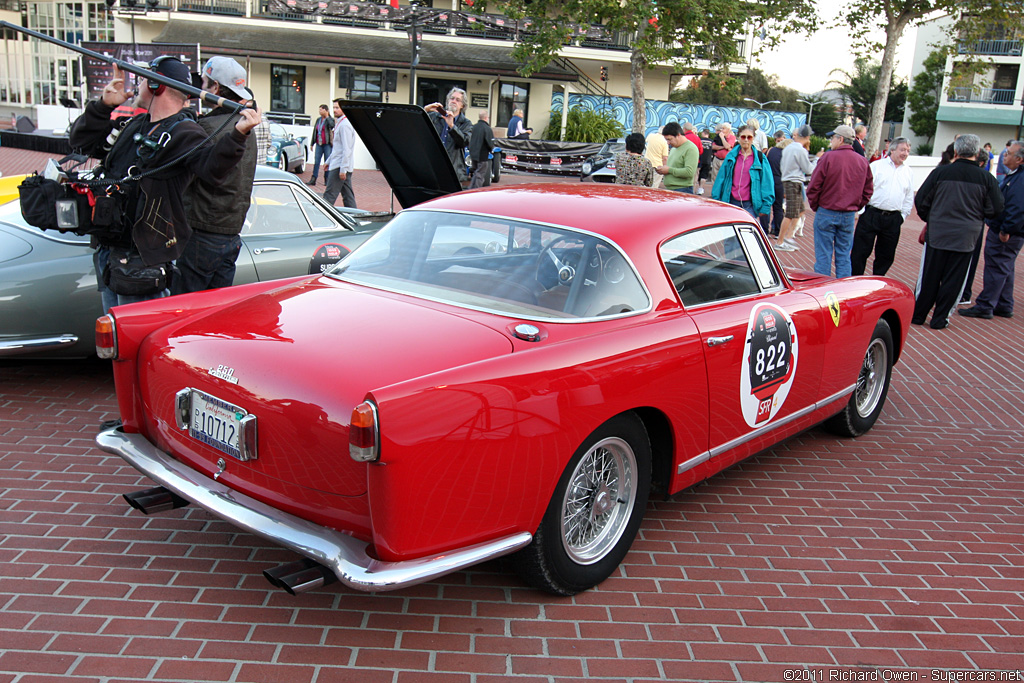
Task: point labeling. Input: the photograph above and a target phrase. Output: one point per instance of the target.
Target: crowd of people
(859, 204)
(184, 208)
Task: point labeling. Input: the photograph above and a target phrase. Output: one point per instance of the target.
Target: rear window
(499, 265)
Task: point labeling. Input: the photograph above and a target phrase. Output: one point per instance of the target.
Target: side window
(274, 209)
(709, 265)
(759, 260)
(318, 218)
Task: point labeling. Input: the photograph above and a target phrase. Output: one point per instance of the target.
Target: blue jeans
(833, 235)
(747, 205)
(208, 262)
(320, 152)
(685, 190)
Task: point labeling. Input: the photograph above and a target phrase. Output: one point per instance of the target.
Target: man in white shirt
(656, 152)
(340, 163)
(878, 229)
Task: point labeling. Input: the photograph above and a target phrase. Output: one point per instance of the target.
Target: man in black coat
(954, 201)
(1003, 242)
(481, 142)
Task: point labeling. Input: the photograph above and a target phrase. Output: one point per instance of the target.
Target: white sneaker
(792, 243)
(782, 246)
(700, 190)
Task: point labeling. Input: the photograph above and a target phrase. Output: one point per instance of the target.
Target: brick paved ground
(896, 554)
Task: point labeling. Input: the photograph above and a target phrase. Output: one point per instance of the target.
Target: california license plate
(216, 423)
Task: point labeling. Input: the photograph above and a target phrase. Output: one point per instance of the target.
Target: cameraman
(152, 211)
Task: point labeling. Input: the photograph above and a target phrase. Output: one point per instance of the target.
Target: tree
(728, 91)
(677, 31)
(860, 87)
(974, 19)
(824, 118)
(926, 93)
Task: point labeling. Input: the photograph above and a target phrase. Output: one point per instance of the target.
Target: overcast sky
(804, 63)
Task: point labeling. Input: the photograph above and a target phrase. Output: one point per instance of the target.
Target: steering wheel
(554, 270)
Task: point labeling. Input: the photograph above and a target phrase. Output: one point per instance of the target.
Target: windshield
(499, 265)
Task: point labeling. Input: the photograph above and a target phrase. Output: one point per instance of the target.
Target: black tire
(496, 169)
(585, 534)
(865, 405)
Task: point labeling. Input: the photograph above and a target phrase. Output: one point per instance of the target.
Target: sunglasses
(746, 137)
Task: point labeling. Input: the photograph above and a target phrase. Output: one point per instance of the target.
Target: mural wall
(702, 116)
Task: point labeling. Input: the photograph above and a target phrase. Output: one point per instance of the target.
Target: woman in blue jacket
(745, 179)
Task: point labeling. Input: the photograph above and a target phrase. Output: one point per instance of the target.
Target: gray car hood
(407, 149)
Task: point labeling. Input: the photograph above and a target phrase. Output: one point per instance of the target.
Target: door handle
(265, 250)
(716, 341)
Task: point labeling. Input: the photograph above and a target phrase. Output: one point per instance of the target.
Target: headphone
(157, 88)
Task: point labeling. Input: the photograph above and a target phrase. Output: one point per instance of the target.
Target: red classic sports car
(497, 371)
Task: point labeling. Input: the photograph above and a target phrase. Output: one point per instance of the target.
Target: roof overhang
(338, 45)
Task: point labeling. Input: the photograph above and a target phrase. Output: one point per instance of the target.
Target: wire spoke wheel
(598, 501)
(871, 381)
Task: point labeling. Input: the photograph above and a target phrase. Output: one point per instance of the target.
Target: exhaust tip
(300, 576)
(156, 499)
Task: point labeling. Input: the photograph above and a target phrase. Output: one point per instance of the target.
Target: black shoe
(975, 312)
(966, 301)
(917, 321)
(312, 182)
(938, 325)
(1003, 314)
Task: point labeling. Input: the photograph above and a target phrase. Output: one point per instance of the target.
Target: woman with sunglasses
(745, 178)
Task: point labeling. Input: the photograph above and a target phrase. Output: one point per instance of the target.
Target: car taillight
(106, 337)
(363, 433)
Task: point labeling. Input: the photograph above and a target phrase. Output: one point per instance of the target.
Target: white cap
(228, 73)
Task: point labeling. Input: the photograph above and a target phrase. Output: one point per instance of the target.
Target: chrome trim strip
(14, 348)
(344, 555)
(693, 462)
(771, 426)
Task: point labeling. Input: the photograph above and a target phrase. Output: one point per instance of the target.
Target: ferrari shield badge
(833, 307)
(770, 354)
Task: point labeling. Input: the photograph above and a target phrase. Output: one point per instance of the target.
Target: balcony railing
(981, 95)
(1002, 48)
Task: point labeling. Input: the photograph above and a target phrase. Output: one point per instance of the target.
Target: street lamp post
(811, 103)
(760, 105)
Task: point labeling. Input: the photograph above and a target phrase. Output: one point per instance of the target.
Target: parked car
(513, 370)
(286, 152)
(48, 281)
(600, 167)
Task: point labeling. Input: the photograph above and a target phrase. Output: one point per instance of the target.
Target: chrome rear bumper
(344, 555)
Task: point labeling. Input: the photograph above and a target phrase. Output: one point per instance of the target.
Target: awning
(336, 47)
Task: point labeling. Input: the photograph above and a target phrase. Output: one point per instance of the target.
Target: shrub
(818, 142)
(583, 125)
(924, 150)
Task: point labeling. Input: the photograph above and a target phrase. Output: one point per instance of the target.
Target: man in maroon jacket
(840, 187)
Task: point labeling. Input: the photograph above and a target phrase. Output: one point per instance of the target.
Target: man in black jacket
(1002, 243)
(216, 211)
(152, 171)
(453, 128)
(954, 201)
(481, 142)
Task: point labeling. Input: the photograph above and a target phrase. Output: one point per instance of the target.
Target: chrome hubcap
(872, 378)
(598, 500)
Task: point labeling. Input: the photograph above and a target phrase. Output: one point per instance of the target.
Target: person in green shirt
(682, 160)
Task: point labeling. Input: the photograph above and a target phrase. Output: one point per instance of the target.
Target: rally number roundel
(770, 354)
(325, 256)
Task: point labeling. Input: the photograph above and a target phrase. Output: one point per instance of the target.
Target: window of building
(429, 90)
(366, 85)
(513, 96)
(287, 88)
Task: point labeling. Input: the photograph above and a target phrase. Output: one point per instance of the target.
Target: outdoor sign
(99, 73)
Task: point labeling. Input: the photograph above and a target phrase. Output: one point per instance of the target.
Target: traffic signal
(604, 73)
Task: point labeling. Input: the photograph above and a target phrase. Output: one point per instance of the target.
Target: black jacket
(1011, 220)
(155, 210)
(454, 140)
(481, 142)
(954, 201)
(221, 207)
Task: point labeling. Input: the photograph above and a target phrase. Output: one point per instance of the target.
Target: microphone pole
(186, 88)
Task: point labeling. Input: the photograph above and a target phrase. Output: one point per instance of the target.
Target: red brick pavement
(898, 555)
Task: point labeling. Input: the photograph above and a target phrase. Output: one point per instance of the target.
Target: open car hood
(403, 142)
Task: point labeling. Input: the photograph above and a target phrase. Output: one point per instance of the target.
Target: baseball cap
(171, 67)
(228, 73)
(845, 131)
